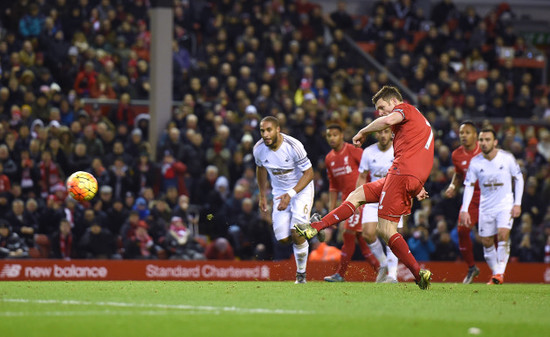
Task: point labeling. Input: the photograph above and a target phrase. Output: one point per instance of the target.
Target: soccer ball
(82, 186)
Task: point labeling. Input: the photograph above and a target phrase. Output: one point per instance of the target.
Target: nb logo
(10, 271)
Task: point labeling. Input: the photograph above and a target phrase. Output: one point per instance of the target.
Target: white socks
(378, 251)
(490, 255)
(503, 253)
(392, 262)
(300, 255)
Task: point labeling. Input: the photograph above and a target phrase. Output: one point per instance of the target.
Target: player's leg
(347, 250)
(367, 193)
(504, 225)
(465, 244)
(387, 229)
(393, 261)
(348, 247)
(396, 200)
(284, 235)
(299, 210)
(367, 252)
(370, 221)
(487, 230)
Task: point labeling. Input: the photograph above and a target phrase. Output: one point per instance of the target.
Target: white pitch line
(160, 306)
(95, 313)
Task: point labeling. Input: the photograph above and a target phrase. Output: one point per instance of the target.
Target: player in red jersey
(342, 164)
(414, 153)
(461, 161)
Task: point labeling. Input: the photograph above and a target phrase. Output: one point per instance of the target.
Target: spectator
(172, 172)
(21, 224)
(220, 249)
(118, 152)
(31, 24)
(97, 243)
(8, 165)
(173, 143)
(205, 185)
(445, 249)
(94, 147)
(136, 144)
(79, 160)
(5, 185)
(124, 113)
(120, 178)
(145, 173)
(63, 243)
(86, 80)
(51, 174)
(181, 243)
(340, 18)
(140, 245)
(443, 11)
(420, 243)
(528, 243)
(11, 245)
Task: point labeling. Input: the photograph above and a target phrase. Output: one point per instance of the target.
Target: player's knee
(294, 238)
(487, 241)
(503, 236)
(357, 197)
(286, 241)
(383, 233)
(369, 235)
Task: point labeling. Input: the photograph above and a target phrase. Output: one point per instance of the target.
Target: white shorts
(370, 214)
(298, 211)
(490, 222)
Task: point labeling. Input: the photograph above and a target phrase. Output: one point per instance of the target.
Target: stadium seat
(42, 249)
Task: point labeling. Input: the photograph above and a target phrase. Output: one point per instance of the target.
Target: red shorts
(394, 195)
(473, 210)
(355, 222)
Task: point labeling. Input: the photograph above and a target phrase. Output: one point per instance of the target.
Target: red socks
(340, 213)
(465, 245)
(400, 248)
(348, 248)
(367, 253)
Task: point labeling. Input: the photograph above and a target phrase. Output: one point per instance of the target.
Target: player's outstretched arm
(378, 124)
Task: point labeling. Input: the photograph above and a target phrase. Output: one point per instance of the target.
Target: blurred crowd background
(63, 64)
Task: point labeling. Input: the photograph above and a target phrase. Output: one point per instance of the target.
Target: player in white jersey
(494, 169)
(375, 163)
(285, 160)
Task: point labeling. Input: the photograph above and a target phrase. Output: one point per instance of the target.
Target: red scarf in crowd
(65, 244)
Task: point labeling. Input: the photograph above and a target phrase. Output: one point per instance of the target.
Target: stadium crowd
(236, 61)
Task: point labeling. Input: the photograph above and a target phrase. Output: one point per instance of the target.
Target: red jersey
(5, 185)
(413, 144)
(461, 160)
(343, 169)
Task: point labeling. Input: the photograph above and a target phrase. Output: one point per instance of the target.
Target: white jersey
(285, 165)
(375, 161)
(495, 181)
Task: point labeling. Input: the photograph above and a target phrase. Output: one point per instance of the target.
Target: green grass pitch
(156, 308)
